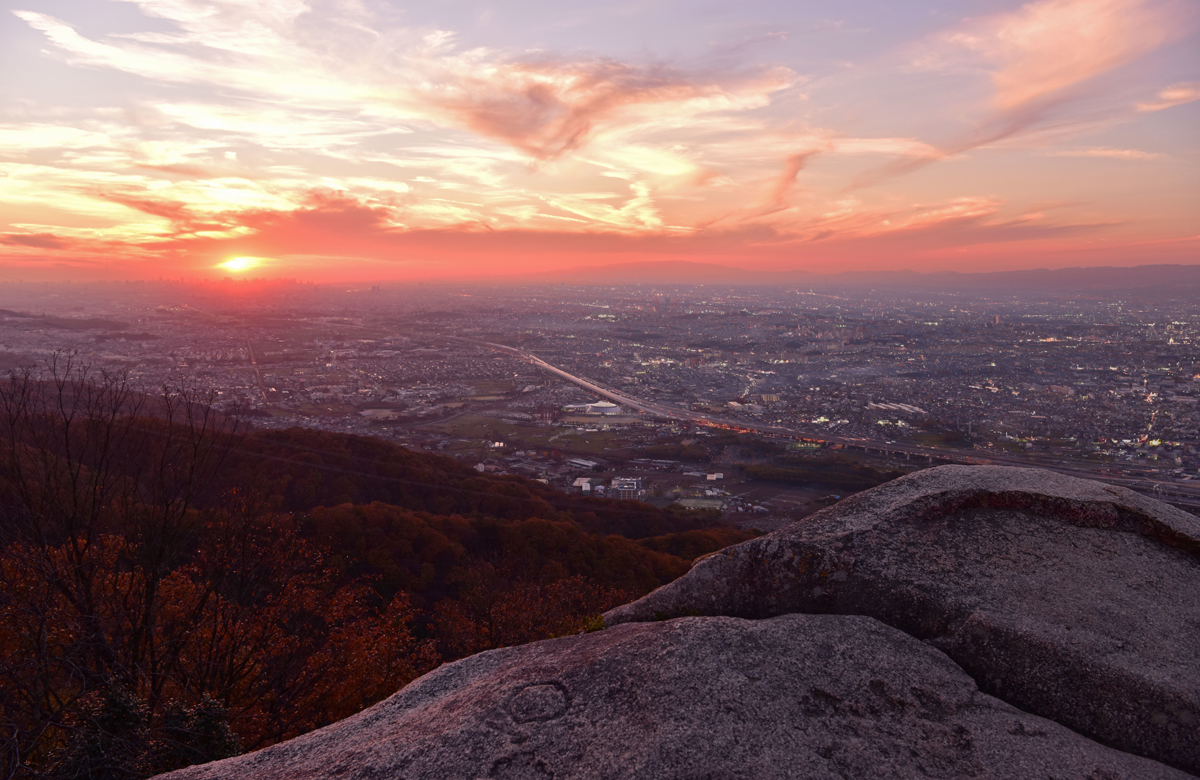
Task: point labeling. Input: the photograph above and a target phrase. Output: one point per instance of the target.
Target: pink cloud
(548, 108)
(179, 169)
(792, 166)
(1040, 57)
(1113, 154)
(175, 211)
(1046, 47)
(1174, 95)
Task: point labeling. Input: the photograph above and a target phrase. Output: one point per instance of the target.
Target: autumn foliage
(175, 590)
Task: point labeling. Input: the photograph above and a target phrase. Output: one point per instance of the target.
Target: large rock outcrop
(1071, 599)
(797, 696)
(958, 622)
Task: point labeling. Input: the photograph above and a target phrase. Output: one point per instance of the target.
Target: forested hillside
(176, 588)
(298, 469)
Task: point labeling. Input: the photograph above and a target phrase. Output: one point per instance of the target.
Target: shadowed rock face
(1074, 600)
(797, 696)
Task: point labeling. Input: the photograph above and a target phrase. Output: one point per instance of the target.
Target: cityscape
(666, 392)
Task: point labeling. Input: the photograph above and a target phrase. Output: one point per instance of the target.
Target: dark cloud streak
(37, 240)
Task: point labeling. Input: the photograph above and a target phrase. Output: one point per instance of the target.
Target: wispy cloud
(445, 118)
(1115, 154)
(1045, 48)
(1174, 95)
(542, 105)
(548, 108)
(792, 165)
(1039, 58)
(39, 240)
(19, 139)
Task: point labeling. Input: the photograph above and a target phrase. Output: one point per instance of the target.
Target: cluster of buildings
(1103, 379)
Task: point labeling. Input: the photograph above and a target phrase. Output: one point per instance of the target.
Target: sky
(338, 140)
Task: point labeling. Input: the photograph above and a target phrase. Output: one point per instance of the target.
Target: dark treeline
(298, 469)
(175, 588)
(834, 472)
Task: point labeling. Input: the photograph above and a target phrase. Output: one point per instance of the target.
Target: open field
(478, 429)
(492, 386)
(327, 409)
(469, 425)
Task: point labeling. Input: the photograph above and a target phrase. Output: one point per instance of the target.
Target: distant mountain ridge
(1175, 278)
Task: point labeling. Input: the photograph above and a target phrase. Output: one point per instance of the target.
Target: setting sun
(240, 264)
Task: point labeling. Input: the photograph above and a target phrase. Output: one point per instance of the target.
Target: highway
(262, 386)
(1181, 494)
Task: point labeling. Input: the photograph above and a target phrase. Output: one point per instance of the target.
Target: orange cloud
(333, 224)
(339, 239)
(37, 240)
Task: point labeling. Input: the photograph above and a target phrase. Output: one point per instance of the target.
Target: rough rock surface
(1071, 599)
(797, 696)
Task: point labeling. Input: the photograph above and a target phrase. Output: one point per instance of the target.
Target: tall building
(628, 487)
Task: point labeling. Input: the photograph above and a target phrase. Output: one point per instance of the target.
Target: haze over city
(379, 141)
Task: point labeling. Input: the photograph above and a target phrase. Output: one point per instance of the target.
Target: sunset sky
(386, 140)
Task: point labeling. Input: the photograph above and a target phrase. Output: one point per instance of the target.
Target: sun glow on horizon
(239, 264)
